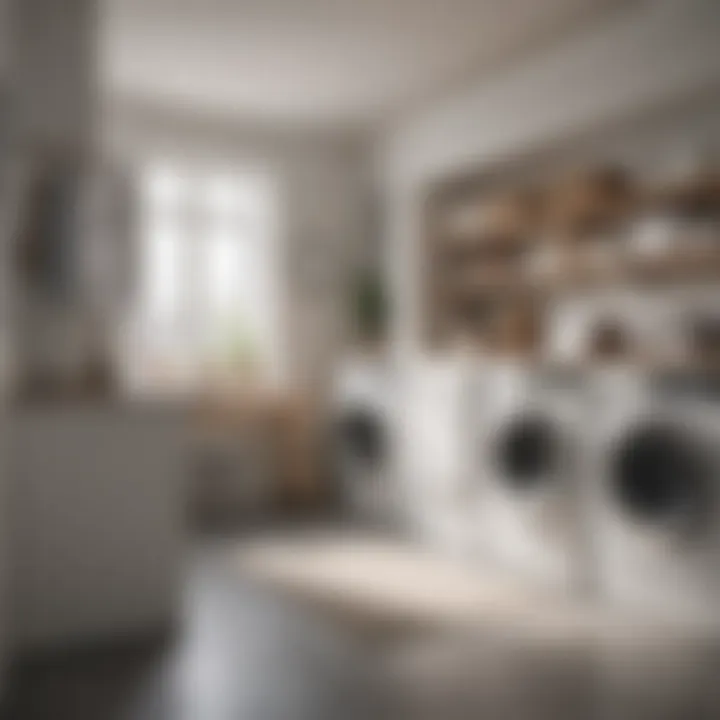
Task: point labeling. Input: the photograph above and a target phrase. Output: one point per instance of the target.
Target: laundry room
(360, 360)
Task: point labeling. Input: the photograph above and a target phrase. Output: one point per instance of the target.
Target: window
(207, 297)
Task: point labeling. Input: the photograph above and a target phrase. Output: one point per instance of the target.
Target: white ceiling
(316, 61)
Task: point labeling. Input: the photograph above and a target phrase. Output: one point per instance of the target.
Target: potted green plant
(369, 308)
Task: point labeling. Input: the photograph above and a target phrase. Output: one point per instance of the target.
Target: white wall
(4, 39)
(47, 69)
(324, 183)
(643, 56)
(51, 56)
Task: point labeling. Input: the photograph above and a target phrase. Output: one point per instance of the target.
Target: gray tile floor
(246, 653)
(240, 653)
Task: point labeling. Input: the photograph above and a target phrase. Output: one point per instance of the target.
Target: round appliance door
(362, 437)
(659, 477)
(528, 450)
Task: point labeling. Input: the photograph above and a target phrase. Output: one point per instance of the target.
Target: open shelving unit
(490, 286)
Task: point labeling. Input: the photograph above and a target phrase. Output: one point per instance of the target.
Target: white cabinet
(97, 520)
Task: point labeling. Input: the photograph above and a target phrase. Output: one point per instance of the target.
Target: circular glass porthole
(658, 475)
(362, 437)
(528, 451)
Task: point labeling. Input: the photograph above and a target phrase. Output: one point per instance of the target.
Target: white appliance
(362, 411)
(653, 494)
(432, 452)
(527, 456)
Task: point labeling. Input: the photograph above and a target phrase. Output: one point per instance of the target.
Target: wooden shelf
(488, 251)
(667, 270)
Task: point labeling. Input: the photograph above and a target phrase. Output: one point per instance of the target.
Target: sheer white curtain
(207, 299)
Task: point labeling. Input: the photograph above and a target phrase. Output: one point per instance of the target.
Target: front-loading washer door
(365, 491)
(527, 521)
(527, 453)
(362, 436)
(659, 478)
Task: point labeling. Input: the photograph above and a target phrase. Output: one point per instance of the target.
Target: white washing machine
(653, 487)
(364, 392)
(433, 459)
(526, 471)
